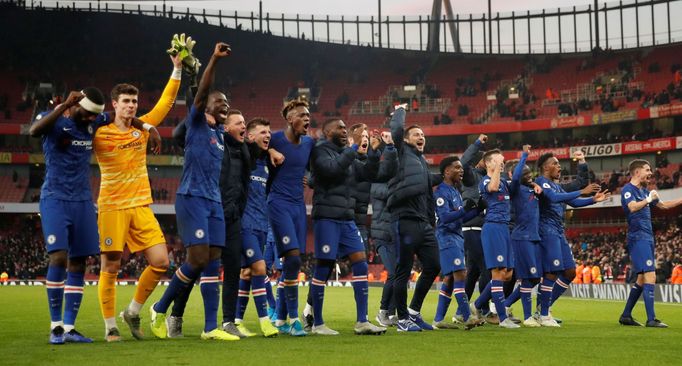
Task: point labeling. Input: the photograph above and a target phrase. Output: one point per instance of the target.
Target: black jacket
(335, 171)
(381, 218)
(361, 195)
(471, 179)
(410, 191)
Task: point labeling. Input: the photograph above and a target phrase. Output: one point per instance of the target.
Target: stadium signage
(620, 292)
(620, 116)
(5, 158)
(667, 143)
(665, 110)
(598, 150)
(567, 122)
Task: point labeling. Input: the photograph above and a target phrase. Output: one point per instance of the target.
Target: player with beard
(336, 171)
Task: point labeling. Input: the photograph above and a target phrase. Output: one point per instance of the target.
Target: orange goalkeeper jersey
(122, 158)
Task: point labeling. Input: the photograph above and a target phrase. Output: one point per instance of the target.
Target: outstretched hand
(602, 196)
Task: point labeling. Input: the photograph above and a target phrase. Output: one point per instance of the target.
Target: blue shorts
(70, 226)
(288, 222)
(527, 259)
(200, 221)
(556, 254)
(497, 248)
(363, 234)
(336, 239)
(253, 244)
(641, 255)
(269, 251)
(452, 259)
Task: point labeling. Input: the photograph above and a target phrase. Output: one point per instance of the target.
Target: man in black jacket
(410, 202)
(335, 171)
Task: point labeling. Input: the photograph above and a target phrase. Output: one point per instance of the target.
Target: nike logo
(66, 129)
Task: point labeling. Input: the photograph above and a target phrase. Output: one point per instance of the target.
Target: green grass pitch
(590, 335)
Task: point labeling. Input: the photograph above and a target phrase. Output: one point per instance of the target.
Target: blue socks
(648, 294)
(526, 290)
(560, 287)
(211, 294)
(497, 294)
(281, 307)
(484, 297)
(317, 285)
(462, 300)
(55, 292)
(635, 293)
(73, 295)
(259, 295)
(545, 296)
(269, 295)
(361, 289)
(291, 267)
(242, 299)
(513, 297)
(182, 279)
(444, 299)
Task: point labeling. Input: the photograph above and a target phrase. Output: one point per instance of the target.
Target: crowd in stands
(608, 252)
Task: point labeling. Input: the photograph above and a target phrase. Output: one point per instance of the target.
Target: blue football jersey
(286, 180)
(499, 205)
(639, 222)
(68, 149)
(255, 214)
(449, 210)
(204, 150)
(526, 206)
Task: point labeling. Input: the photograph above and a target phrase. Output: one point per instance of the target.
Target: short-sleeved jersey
(287, 179)
(68, 149)
(448, 199)
(639, 223)
(499, 205)
(526, 214)
(122, 158)
(255, 214)
(204, 150)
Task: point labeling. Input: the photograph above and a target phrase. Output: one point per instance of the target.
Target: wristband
(177, 74)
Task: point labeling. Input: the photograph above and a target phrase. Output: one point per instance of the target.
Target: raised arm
(518, 171)
(583, 177)
(494, 183)
(398, 125)
(45, 123)
(167, 100)
(200, 99)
